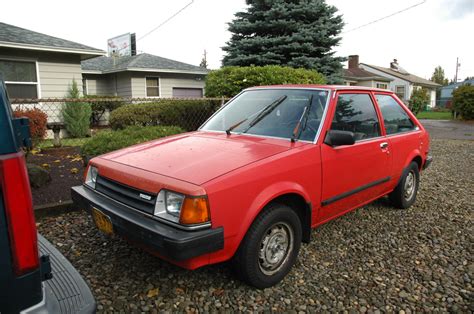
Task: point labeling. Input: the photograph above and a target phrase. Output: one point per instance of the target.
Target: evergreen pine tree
(77, 115)
(203, 63)
(296, 33)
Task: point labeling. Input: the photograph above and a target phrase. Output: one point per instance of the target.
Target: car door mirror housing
(338, 138)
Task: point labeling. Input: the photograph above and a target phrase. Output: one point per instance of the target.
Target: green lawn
(65, 142)
(435, 115)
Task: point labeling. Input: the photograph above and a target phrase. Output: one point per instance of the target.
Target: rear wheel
(404, 194)
(270, 247)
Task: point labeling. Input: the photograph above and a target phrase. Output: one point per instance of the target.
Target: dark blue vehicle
(34, 276)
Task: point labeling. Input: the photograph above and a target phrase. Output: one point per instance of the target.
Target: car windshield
(272, 112)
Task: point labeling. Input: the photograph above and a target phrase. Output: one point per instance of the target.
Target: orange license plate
(102, 221)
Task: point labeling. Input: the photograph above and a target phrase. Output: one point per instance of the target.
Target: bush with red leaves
(38, 120)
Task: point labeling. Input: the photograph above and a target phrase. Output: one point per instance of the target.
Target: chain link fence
(102, 107)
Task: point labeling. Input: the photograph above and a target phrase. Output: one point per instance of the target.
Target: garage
(182, 92)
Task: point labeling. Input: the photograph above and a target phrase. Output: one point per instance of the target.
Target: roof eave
(86, 53)
(145, 70)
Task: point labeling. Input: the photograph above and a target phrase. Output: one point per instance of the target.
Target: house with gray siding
(142, 76)
(354, 75)
(402, 82)
(36, 65)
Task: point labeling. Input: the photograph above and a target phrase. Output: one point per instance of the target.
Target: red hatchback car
(249, 185)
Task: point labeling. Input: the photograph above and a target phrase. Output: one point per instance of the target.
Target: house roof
(358, 74)
(16, 37)
(454, 85)
(407, 77)
(141, 62)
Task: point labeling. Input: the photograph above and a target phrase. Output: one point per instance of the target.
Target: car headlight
(182, 209)
(91, 176)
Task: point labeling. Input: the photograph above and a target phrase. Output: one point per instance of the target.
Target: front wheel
(270, 247)
(404, 194)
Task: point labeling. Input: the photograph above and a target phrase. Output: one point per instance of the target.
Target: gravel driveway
(374, 259)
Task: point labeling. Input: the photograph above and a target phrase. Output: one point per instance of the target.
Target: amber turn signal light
(195, 211)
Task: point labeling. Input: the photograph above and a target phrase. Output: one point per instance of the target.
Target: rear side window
(356, 113)
(395, 118)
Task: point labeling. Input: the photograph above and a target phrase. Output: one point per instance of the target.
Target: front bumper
(428, 161)
(167, 241)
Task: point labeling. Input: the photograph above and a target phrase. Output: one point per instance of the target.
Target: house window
(152, 87)
(20, 78)
(382, 85)
(400, 91)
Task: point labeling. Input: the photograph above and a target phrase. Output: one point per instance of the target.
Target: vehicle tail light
(194, 211)
(19, 213)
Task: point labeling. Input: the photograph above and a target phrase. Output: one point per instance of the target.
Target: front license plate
(102, 221)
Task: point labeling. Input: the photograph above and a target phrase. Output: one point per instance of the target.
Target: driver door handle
(383, 145)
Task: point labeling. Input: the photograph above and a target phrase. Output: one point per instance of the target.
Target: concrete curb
(54, 209)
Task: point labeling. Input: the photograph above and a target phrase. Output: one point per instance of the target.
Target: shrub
(188, 114)
(107, 141)
(463, 101)
(229, 81)
(101, 104)
(419, 100)
(77, 115)
(38, 120)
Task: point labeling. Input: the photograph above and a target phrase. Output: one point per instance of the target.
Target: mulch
(66, 168)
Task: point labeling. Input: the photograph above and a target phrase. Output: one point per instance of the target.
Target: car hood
(199, 156)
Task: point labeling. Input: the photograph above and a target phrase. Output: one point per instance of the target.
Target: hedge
(102, 104)
(107, 141)
(229, 81)
(187, 114)
(37, 122)
(463, 101)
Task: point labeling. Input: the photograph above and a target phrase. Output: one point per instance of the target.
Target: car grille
(126, 194)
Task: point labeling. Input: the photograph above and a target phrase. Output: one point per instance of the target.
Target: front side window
(152, 87)
(20, 78)
(395, 118)
(272, 112)
(356, 113)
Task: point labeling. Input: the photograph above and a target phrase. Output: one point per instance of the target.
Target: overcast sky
(433, 33)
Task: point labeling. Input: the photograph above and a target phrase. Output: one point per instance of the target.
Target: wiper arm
(235, 125)
(305, 116)
(265, 112)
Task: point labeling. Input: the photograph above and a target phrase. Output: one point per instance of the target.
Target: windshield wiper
(265, 112)
(235, 125)
(305, 116)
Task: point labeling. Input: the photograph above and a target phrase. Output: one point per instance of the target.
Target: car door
(354, 174)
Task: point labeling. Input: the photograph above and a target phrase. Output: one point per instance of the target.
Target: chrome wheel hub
(275, 248)
(410, 183)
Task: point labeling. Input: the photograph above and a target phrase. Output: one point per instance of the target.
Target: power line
(383, 18)
(167, 20)
(161, 24)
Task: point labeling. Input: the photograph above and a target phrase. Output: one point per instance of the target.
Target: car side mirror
(338, 138)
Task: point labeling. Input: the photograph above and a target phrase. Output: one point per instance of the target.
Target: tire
(404, 194)
(270, 247)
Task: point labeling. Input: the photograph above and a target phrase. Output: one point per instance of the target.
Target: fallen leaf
(153, 293)
(35, 151)
(57, 161)
(45, 165)
(218, 292)
(74, 170)
(179, 291)
(76, 159)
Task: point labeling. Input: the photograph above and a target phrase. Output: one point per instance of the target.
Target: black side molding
(352, 192)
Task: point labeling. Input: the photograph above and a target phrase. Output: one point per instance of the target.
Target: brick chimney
(354, 62)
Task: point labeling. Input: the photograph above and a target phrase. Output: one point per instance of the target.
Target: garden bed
(66, 169)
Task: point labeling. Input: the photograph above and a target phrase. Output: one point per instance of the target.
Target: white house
(402, 82)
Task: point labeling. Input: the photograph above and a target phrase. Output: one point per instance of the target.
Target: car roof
(315, 86)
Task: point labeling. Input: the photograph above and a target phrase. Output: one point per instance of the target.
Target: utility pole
(457, 68)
